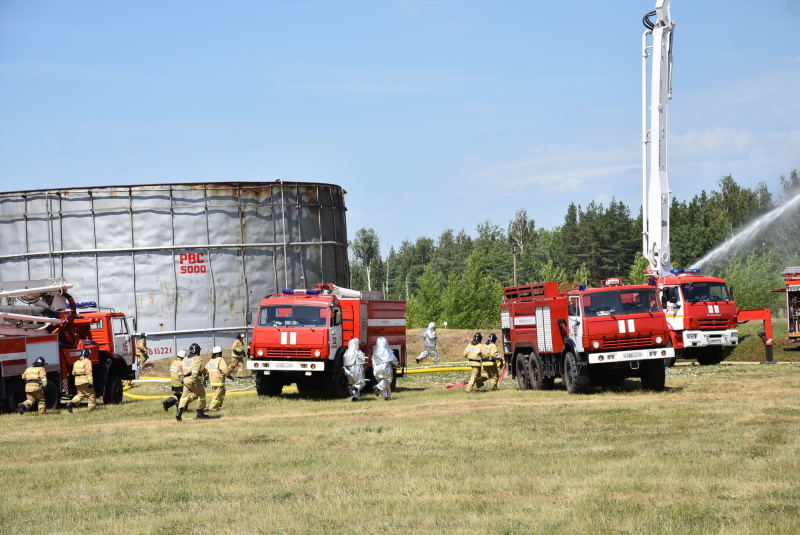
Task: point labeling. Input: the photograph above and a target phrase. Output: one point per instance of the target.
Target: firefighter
(383, 365)
(192, 367)
(491, 361)
(238, 352)
(175, 379)
(475, 353)
(35, 382)
(354, 360)
(141, 351)
(84, 382)
(429, 344)
(217, 370)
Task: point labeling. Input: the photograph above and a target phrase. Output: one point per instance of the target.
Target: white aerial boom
(655, 187)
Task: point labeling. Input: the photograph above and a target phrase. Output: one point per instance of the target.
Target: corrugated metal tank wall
(187, 260)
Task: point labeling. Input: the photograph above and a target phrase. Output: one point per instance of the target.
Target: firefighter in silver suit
(353, 362)
(383, 364)
(429, 344)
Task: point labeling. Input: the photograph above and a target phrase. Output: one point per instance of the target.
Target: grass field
(717, 452)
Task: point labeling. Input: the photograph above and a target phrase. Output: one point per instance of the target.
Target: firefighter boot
(354, 393)
(70, 405)
(201, 415)
(180, 413)
(168, 403)
(387, 394)
(376, 390)
(21, 408)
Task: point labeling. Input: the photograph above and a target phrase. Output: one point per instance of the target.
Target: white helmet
(182, 354)
(432, 325)
(217, 350)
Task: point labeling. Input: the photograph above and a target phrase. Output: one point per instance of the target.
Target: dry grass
(718, 452)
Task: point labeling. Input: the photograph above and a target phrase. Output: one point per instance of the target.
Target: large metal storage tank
(187, 260)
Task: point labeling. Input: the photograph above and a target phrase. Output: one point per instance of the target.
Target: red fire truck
(701, 314)
(584, 336)
(38, 318)
(791, 277)
(300, 336)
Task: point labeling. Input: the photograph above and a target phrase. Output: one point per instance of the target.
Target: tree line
(459, 279)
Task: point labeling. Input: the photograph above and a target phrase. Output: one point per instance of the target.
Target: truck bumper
(632, 355)
(726, 338)
(267, 366)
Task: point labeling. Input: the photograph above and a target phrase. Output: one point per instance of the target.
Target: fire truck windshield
(620, 302)
(292, 316)
(694, 292)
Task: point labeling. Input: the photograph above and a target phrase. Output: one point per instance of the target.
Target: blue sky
(432, 114)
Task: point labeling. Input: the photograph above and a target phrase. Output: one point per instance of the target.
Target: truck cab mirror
(249, 317)
(730, 290)
(337, 318)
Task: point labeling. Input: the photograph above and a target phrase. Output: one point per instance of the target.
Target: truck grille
(627, 342)
(289, 353)
(713, 323)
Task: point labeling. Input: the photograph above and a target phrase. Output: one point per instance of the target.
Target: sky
(431, 114)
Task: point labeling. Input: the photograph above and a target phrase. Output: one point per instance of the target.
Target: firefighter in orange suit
(35, 382)
(217, 370)
(475, 353)
(238, 353)
(491, 361)
(84, 382)
(193, 384)
(175, 379)
(141, 350)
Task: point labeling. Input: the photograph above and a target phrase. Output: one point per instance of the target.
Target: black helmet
(39, 362)
(194, 349)
(240, 336)
(492, 338)
(85, 353)
(477, 338)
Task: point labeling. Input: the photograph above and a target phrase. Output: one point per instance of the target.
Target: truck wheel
(521, 371)
(113, 391)
(710, 356)
(653, 374)
(266, 385)
(15, 394)
(536, 374)
(335, 381)
(575, 377)
(52, 393)
(669, 363)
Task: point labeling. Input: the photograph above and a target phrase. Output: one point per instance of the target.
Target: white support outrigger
(655, 186)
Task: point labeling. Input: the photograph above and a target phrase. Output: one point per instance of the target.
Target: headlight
(260, 352)
(596, 344)
(659, 340)
(317, 353)
(691, 336)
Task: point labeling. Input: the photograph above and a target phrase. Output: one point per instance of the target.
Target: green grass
(717, 452)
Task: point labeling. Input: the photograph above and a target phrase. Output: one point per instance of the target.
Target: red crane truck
(300, 336)
(38, 318)
(584, 336)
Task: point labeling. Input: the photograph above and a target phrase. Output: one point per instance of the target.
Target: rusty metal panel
(187, 260)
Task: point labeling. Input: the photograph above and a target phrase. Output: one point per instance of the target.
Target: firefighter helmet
(194, 349)
(85, 353)
(182, 354)
(477, 338)
(39, 362)
(217, 351)
(492, 338)
(240, 336)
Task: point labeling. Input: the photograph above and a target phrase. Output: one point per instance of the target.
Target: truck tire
(653, 374)
(669, 363)
(266, 385)
(575, 377)
(335, 384)
(52, 393)
(112, 394)
(521, 371)
(536, 374)
(710, 356)
(15, 394)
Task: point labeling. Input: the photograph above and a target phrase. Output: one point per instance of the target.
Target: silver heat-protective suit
(383, 363)
(353, 362)
(429, 344)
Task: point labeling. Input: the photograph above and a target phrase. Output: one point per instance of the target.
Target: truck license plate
(285, 365)
(715, 340)
(631, 355)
